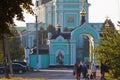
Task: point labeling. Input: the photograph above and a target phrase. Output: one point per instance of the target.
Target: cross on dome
(83, 12)
(83, 3)
(106, 24)
(107, 17)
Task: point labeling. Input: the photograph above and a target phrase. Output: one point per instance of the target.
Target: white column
(71, 47)
(90, 54)
(73, 54)
(49, 17)
(27, 56)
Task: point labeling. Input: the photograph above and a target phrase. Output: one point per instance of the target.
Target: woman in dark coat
(77, 71)
(84, 70)
(103, 71)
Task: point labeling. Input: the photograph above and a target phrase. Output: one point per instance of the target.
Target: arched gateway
(75, 46)
(77, 35)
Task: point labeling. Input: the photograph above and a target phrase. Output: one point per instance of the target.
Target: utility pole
(37, 50)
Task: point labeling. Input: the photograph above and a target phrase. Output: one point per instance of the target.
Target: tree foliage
(9, 9)
(108, 21)
(108, 50)
(51, 29)
(66, 29)
(17, 53)
(16, 50)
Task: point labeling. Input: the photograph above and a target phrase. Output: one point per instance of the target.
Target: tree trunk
(5, 58)
(8, 55)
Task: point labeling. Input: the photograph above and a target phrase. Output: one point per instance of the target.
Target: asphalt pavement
(52, 74)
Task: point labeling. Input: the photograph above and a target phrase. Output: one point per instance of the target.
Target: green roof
(19, 29)
(45, 1)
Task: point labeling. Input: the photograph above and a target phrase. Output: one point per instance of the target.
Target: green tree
(66, 29)
(17, 53)
(16, 50)
(51, 29)
(9, 9)
(109, 23)
(108, 50)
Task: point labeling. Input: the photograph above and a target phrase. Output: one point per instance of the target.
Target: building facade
(66, 48)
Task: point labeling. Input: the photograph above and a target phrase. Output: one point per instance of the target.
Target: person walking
(84, 70)
(103, 71)
(93, 70)
(80, 68)
(76, 72)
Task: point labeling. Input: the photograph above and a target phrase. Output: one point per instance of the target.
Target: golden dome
(83, 12)
(59, 26)
(107, 25)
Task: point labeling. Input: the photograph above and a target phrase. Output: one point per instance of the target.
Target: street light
(37, 51)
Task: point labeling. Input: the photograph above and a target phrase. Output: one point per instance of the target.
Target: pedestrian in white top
(81, 63)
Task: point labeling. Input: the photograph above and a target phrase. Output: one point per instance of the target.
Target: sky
(98, 11)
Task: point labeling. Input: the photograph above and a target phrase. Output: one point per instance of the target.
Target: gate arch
(87, 30)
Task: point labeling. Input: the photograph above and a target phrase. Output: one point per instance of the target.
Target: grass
(23, 79)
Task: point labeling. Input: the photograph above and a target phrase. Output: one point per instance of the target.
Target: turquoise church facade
(65, 48)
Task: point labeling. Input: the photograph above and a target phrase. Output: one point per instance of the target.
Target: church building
(66, 48)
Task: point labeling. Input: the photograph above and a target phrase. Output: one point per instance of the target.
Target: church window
(70, 19)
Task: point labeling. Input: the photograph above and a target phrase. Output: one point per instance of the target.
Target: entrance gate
(79, 35)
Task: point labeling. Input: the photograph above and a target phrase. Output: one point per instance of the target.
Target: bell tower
(67, 13)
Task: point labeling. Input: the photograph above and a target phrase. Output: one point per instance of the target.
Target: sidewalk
(52, 74)
(62, 74)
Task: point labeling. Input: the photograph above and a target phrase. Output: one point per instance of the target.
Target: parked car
(22, 63)
(17, 68)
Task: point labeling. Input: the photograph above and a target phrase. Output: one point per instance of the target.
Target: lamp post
(37, 50)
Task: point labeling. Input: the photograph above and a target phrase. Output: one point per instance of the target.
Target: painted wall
(44, 61)
(67, 48)
(64, 12)
(31, 33)
(86, 29)
(68, 13)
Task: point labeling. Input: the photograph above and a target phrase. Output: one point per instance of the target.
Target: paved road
(50, 74)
